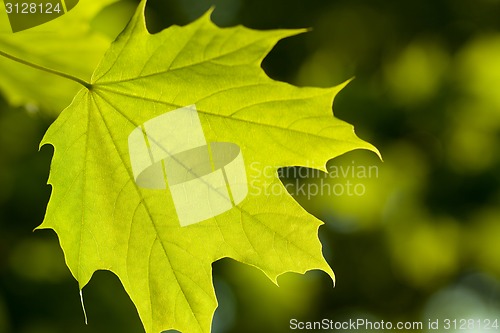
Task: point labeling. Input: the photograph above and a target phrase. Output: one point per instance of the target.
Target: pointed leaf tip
(138, 22)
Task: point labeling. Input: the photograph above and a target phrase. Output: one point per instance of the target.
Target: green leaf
(66, 44)
(105, 220)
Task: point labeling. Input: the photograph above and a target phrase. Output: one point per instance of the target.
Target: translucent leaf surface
(107, 219)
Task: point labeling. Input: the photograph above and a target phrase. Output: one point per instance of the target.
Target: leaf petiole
(48, 70)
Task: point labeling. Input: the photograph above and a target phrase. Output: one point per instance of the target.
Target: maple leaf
(107, 220)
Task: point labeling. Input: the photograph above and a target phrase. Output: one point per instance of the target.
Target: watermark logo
(26, 14)
(340, 180)
(204, 179)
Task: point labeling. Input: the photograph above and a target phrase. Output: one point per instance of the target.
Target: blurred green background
(421, 242)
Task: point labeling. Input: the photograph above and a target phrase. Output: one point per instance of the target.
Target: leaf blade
(133, 231)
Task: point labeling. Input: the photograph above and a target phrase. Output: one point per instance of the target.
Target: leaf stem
(83, 307)
(48, 70)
